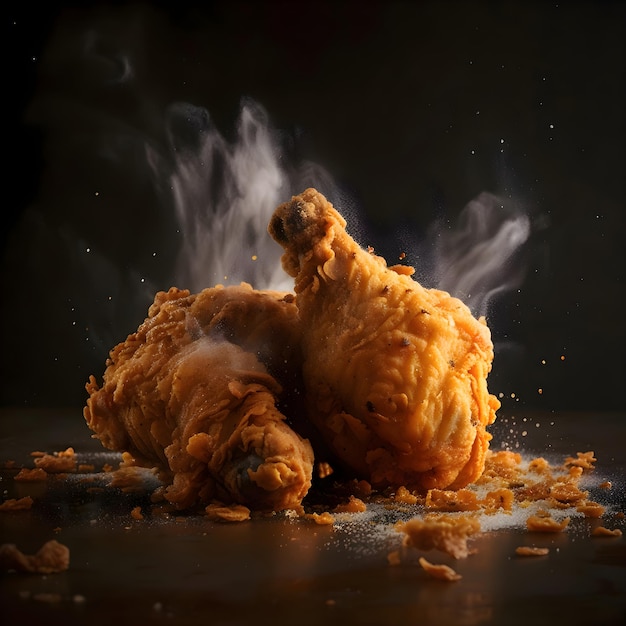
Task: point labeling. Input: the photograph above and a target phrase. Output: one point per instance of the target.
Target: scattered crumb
(136, 513)
(224, 513)
(324, 470)
(531, 551)
(323, 519)
(585, 460)
(31, 475)
(52, 557)
(601, 531)
(451, 501)
(546, 524)
(440, 572)
(17, 504)
(591, 509)
(404, 496)
(393, 558)
(128, 478)
(64, 461)
(86, 468)
(446, 533)
(354, 505)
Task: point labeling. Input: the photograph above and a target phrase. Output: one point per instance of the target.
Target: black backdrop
(414, 108)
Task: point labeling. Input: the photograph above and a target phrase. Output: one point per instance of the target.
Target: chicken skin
(194, 393)
(395, 374)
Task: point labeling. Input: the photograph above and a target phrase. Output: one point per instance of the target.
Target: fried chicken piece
(395, 374)
(194, 391)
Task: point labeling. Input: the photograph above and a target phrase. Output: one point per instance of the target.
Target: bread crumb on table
(440, 572)
(546, 524)
(36, 474)
(438, 531)
(17, 504)
(227, 513)
(531, 551)
(58, 462)
(53, 557)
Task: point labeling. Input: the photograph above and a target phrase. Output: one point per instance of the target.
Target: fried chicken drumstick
(194, 393)
(395, 374)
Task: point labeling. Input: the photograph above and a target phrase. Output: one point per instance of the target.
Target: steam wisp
(224, 195)
(474, 261)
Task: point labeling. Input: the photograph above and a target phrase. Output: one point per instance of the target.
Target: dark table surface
(283, 570)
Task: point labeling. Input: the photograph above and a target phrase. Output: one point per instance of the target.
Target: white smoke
(475, 260)
(224, 194)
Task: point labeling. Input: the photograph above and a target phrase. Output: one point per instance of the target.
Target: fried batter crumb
(393, 558)
(323, 519)
(17, 504)
(591, 509)
(601, 531)
(497, 499)
(531, 551)
(546, 524)
(353, 505)
(58, 462)
(136, 513)
(324, 469)
(451, 501)
(227, 513)
(583, 459)
(36, 474)
(446, 533)
(440, 572)
(51, 558)
(404, 496)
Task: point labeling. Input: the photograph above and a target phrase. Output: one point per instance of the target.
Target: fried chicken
(194, 393)
(395, 374)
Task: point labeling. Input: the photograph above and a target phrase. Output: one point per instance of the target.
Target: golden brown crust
(194, 390)
(395, 373)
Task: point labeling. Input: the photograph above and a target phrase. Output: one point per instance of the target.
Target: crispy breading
(395, 374)
(194, 390)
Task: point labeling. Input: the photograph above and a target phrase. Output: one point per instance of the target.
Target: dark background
(405, 104)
